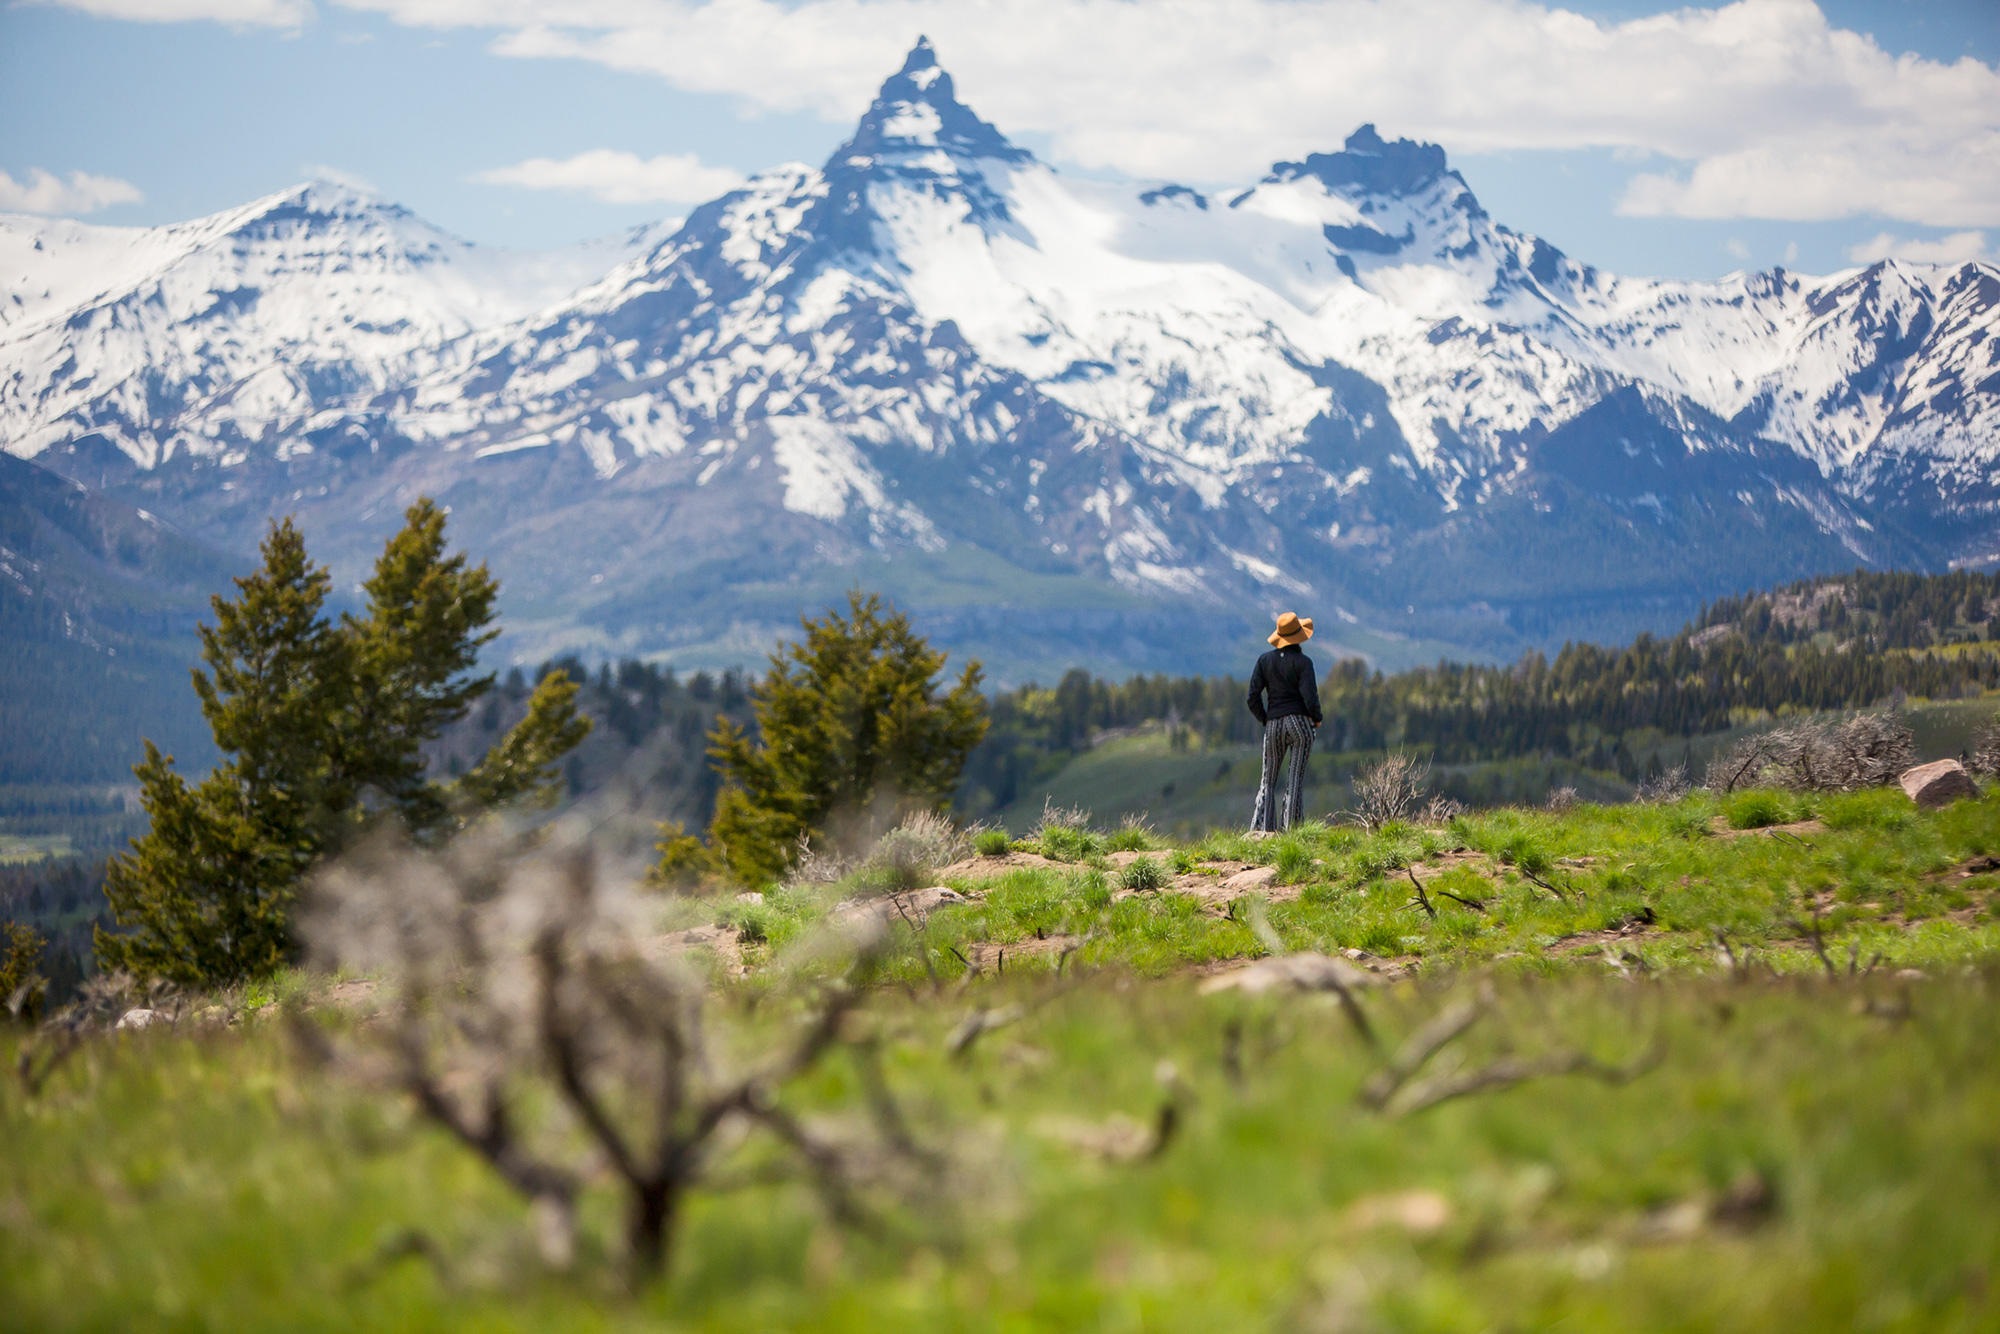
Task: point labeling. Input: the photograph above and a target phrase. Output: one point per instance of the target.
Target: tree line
(1841, 642)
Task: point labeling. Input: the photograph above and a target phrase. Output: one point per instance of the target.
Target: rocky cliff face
(1069, 421)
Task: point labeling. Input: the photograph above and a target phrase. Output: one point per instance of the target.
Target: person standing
(1284, 697)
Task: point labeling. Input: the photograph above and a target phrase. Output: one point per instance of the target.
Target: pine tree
(22, 986)
(853, 730)
(323, 726)
(208, 891)
(409, 660)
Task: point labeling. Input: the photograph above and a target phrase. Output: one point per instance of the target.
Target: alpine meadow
(1135, 715)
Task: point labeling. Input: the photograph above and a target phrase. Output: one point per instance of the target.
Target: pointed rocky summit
(917, 111)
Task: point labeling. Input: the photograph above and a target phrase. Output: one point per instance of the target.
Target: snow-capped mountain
(1065, 418)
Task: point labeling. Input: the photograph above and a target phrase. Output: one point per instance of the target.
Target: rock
(753, 898)
(1296, 972)
(135, 1019)
(1256, 878)
(1936, 785)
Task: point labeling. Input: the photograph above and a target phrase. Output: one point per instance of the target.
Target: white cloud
(620, 178)
(1737, 247)
(1768, 109)
(1953, 249)
(235, 13)
(45, 192)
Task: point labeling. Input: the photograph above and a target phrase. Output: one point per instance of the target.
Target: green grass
(18, 849)
(210, 1180)
(164, 1181)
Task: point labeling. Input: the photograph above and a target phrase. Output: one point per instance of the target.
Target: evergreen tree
(208, 891)
(323, 726)
(409, 660)
(853, 730)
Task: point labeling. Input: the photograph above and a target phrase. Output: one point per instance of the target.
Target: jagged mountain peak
(1368, 164)
(918, 111)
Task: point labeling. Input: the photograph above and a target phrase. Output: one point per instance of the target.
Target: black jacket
(1286, 675)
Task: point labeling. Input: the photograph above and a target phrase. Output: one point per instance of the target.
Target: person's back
(1284, 697)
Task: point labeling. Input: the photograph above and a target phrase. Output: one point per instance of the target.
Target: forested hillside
(98, 605)
(1839, 642)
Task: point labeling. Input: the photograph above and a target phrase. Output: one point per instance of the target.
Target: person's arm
(1309, 691)
(1256, 700)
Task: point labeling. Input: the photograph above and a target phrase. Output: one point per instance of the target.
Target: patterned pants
(1282, 736)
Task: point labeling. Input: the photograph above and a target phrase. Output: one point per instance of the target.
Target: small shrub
(1295, 861)
(751, 921)
(1142, 876)
(1389, 789)
(1064, 832)
(1184, 862)
(1756, 808)
(1382, 936)
(1092, 891)
(923, 842)
(1440, 811)
(1562, 799)
(1341, 840)
(1688, 822)
(1667, 787)
(1865, 750)
(1063, 844)
(991, 843)
(1520, 850)
(1132, 836)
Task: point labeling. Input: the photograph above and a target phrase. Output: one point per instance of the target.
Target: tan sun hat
(1292, 629)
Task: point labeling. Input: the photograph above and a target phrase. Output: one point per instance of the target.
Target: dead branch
(1509, 1071)
(1420, 1046)
(1543, 883)
(1817, 937)
(1739, 964)
(511, 971)
(1423, 899)
(977, 1024)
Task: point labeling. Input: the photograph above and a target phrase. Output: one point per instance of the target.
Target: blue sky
(1637, 137)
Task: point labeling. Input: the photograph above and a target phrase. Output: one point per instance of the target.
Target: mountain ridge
(1002, 391)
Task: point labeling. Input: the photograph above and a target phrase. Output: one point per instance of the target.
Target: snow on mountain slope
(233, 330)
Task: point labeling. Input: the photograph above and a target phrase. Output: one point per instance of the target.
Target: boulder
(1934, 785)
(1252, 880)
(139, 1019)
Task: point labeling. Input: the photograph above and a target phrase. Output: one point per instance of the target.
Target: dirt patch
(354, 994)
(1801, 829)
(723, 940)
(1596, 940)
(1968, 868)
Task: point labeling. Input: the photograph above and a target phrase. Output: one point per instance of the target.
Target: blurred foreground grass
(1809, 1155)
(1811, 1151)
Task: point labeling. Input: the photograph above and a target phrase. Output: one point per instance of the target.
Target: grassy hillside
(1190, 789)
(1700, 1137)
